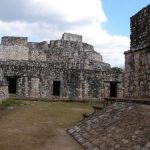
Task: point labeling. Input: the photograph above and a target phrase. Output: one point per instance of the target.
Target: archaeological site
(65, 69)
(137, 59)
(124, 124)
(70, 69)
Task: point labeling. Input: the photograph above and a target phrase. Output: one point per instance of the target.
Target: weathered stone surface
(72, 37)
(14, 52)
(140, 29)
(123, 125)
(119, 126)
(3, 87)
(137, 59)
(4, 92)
(11, 40)
(36, 66)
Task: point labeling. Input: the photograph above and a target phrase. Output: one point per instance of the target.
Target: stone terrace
(120, 126)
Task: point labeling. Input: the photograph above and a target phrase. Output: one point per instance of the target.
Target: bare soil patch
(40, 126)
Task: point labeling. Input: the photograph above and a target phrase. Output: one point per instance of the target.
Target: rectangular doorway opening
(56, 88)
(12, 84)
(113, 89)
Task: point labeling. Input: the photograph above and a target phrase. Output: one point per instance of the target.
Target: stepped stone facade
(115, 127)
(137, 59)
(62, 69)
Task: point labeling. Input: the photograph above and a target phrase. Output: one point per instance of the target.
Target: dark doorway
(12, 82)
(113, 89)
(56, 88)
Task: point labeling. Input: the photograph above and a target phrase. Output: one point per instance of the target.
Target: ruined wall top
(38, 45)
(11, 40)
(70, 49)
(72, 37)
(140, 29)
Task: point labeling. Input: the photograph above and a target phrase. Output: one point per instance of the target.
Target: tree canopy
(117, 70)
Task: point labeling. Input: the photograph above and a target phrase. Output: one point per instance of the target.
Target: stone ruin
(71, 69)
(137, 59)
(3, 87)
(124, 125)
(65, 69)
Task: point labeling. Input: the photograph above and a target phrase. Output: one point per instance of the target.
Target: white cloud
(71, 10)
(110, 46)
(48, 19)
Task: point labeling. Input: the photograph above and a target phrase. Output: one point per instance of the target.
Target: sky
(105, 24)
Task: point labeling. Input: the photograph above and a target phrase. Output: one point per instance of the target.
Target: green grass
(37, 122)
(10, 102)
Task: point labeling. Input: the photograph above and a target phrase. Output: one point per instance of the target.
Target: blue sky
(119, 12)
(105, 24)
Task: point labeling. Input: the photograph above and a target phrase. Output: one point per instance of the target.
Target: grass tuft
(10, 102)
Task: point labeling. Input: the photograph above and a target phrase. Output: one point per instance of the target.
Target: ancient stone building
(3, 87)
(118, 126)
(62, 69)
(137, 59)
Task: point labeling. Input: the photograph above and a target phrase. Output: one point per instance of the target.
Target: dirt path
(61, 141)
(40, 126)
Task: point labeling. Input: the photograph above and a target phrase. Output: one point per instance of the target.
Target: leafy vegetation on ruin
(117, 70)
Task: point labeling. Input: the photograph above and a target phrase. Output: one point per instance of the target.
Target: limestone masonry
(62, 69)
(137, 59)
(115, 127)
(124, 125)
(3, 87)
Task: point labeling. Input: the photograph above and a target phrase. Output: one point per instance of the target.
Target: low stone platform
(128, 100)
(119, 126)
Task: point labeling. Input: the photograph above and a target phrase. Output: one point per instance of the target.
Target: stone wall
(75, 54)
(34, 68)
(4, 92)
(140, 29)
(70, 49)
(117, 79)
(72, 37)
(3, 87)
(11, 40)
(14, 48)
(137, 76)
(1, 74)
(36, 79)
(137, 59)
(37, 51)
(14, 52)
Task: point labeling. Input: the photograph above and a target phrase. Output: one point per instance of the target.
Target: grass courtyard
(40, 125)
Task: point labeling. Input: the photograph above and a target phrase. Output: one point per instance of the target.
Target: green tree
(117, 70)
